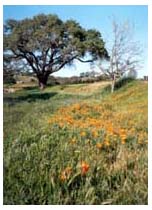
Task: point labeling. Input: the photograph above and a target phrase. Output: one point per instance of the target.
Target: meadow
(76, 144)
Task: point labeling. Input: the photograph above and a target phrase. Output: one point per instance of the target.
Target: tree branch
(51, 59)
(30, 60)
(85, 61)
(64, 63)
(35, 58)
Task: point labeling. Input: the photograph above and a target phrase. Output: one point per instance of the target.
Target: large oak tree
(46, 44)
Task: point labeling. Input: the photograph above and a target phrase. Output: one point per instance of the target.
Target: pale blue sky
(97, 17)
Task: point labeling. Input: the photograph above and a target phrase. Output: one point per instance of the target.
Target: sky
(97, 17)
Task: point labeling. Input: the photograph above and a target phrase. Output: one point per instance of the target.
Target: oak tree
(46, 44)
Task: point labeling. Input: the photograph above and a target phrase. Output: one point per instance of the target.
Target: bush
(123, 81)
(8, 78)
(118, 84)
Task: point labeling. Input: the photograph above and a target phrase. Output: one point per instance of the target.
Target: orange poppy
(84, 167)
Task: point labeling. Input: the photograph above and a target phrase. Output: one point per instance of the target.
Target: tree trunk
(42, 79)
(42, 85)
(113, 84)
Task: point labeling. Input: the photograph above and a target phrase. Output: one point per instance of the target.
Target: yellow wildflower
(65, 174)
(99, 145)
(83, 133)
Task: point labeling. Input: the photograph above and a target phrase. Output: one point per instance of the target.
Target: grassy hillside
(76, 144)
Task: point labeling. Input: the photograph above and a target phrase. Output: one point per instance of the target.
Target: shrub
(8, 78)
(123, 81)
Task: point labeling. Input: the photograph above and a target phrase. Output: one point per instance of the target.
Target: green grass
(36, 152)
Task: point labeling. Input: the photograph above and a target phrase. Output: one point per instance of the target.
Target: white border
(1, 104)
(149, 104)
(76, 2)
(83, 2)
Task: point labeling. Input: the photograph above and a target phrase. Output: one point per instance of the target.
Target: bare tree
(125, 53)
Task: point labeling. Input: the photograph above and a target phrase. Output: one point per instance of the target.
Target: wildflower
(63, 177)
(99, 145)
(83, 133)
(61, 124)
(110, 129)
(122, 132)
(65, 174)
(73, 141)
(84, 167)
(107, 143)
(95, 134)
(140, 140)
(123, 136)
(123, 141)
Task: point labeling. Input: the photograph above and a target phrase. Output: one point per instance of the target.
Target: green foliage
(123, 81)
(8, 78)
(120, 83)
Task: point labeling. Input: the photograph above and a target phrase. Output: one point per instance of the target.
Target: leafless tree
(125, 53)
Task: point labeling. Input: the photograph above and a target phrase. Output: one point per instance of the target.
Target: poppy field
(78, 147)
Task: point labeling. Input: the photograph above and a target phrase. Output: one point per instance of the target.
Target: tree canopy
(46, 44)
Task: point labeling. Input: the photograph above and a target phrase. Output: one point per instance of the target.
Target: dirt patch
(89, 88)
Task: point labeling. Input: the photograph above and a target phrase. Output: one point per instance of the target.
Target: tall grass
(69, 149)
